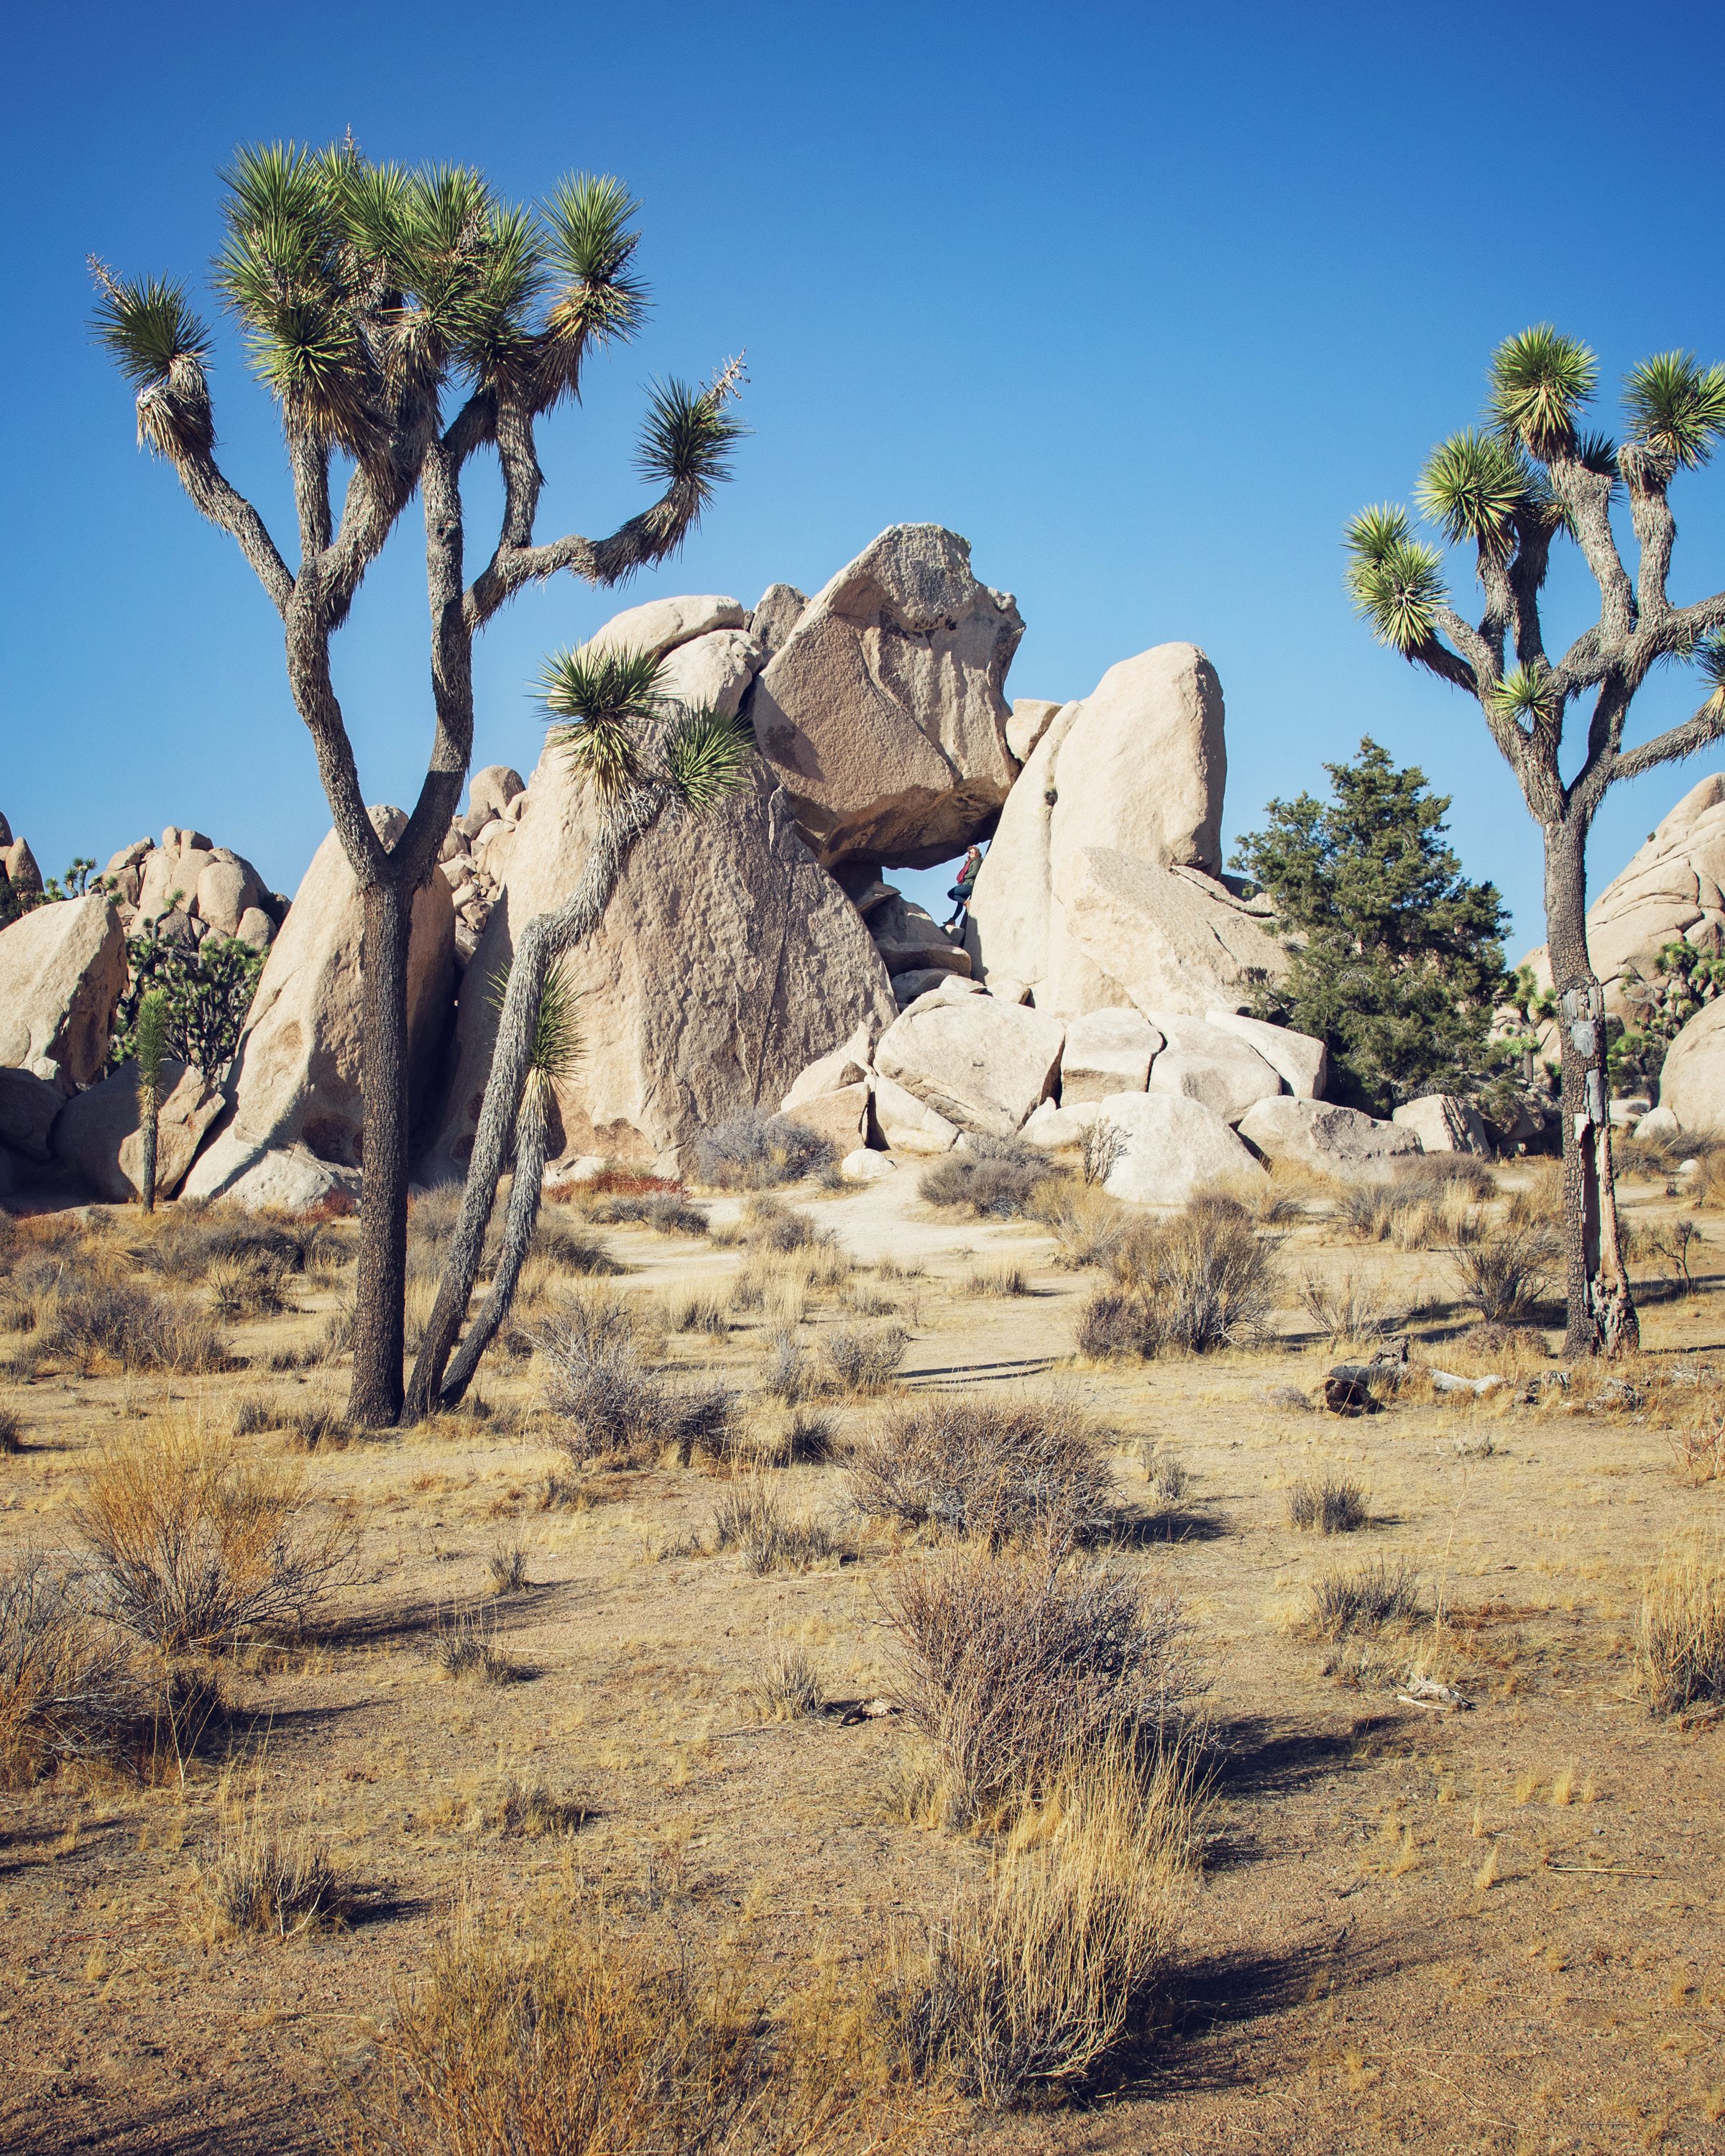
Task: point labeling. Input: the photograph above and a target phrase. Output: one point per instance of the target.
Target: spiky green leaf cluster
(604, 696)
(150, 1042)
(556, 1049)
(687, 435)
(147, 326)
(1475, 485)
(590, 246)
(708, 757)
(1676, 407)
(1396, 581)
(1709, 656)
(1539, 382)
(1525, 694)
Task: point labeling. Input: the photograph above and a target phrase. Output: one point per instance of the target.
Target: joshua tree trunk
(380, 1290)
(544, 938)
(1601, 1313)
(533, 1138)
(149, 1125)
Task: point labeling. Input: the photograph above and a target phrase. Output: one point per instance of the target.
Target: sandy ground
(1498, 1929)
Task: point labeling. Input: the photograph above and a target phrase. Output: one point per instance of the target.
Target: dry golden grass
(1683, 1636)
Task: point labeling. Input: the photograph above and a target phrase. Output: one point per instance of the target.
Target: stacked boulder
(495, 798)
(183, 887)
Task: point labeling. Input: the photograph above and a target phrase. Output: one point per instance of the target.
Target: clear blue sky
(1144, 300)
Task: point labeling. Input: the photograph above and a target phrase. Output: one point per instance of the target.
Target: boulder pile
(182, 887)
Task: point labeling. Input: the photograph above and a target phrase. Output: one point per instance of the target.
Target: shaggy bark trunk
(149, 1127)
(1601, 1314)
(544, 938)
(532, 1139)
(375, 1397)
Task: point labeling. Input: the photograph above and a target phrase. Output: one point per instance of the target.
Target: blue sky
(1143, 299)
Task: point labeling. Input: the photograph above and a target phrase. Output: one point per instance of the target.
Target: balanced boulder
(1171, 938)
(62, 974)
(294, 1080)
(882, 712)
(1205, 1064)
(1301, 1061)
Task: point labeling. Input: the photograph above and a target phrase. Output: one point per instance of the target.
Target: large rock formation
(1101, 886)
(1170, 1147)
(727, 961)
(294, 1080)
(62, 973)
(99, 1134)
(981, 1064)
(1691, 1085)
(1206, 1063)
(184, 887)
(882, 711)
(1339, 1142)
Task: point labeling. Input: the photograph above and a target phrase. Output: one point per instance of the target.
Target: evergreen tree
(1397, 957)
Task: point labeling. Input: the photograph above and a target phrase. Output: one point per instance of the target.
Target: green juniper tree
(406, 323)
(1528, 477)
(1395, 958)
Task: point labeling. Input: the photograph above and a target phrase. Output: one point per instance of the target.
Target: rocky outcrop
(1691, 1085)
(981, 1063)
(906, 1124)
(294, 1080)
(1031, 718)
(1107, 1051)
(1170, 1148)
(62, 973)
(727, 962)
(881, 712)
(1339, 1142)
(1102, 885)
(28, 1108)
(99, 1134)
(1442, 1123)
(1226, 1074)
(183, 887)
(1302, 1062)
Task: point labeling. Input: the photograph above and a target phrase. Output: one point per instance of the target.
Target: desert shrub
(699, 1313)
(755, 1150)
(1017, 1667)
(769, 1223)
(749, 1519)
(612, 1411)
(786, 1374)
(259, 1879)
(191, 1240)
(252, 1412)
(811, 1440)
(1699, 1451)
(1487, 1338)
(12, 1431)
(1205, 1279)
(1168, 1480)
(586, 2039)
(316, 1428)
(1349, 1310)
(1538, 1202)
(859, 1360)
(507, 1566)
(995, 1280)
(244, 1287)
(1035, 1975)
(974, 1467)
(514, 1807)
(192, 1548)
(1436, 1174)
(785, 1687)
(467, 1652)
(995, 1178)
(1682, 1628)
(665, 1212)
(67, 1688)
(1327, 1505)
(1101, 1151)
(1508, 1272)
(1363, 1601)
(568, 1249)
(127, 1326)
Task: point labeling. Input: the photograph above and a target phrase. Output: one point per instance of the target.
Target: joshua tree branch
(647, 538)
(231, 512)
(1705, 728)
(1655, 531)
(1587, 496)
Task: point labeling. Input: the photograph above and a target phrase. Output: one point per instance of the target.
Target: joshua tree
(405, 323)
(552, 1053)
(1529, 476)
(151, 1054)
(640, 755)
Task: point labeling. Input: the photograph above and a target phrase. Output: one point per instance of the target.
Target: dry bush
(1205, 1279)
(749, 1519)
(193, 1548)
(189, 1241)
(1699, 1451)
(1327, 1505)
(1035, 1975)
(317, 1428)
(1363, 1601)
(466, 1651)
(978, 1468)
(786, 1374)
(259, 1880)
(994, 1178)
(1437, 1175)
(507, 1566)
(1508, 1272)
(699, 1314)
(1349, 1310)
(612, 1411)
(244, 1287)
(996, 1281)
(124, 1325)
(12, 1431)
(785, 1688)
(1514, 1342)
(255, 1411)
(1682, 1629)
(67, 1687)
(514, 1807)
(755, 1150)
(561, 2037)
(665, 1212)
(859, 1360)
(564, 1248)
(769, 1223)
(1540, 1202)
(1015, 1667)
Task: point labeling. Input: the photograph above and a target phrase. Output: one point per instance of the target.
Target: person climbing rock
(961, 891)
